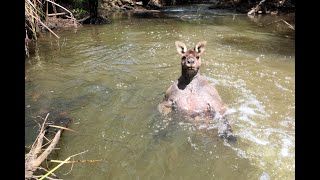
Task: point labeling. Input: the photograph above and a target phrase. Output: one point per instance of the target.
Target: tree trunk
(93, 8)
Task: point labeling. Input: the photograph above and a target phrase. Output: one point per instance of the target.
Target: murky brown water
(110, 79)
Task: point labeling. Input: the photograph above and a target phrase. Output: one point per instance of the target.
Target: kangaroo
(192, 96)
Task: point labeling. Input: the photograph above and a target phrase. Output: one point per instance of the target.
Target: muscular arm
(216, 102)
(165, 107)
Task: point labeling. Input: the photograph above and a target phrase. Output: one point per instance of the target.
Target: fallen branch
(37, 155)
(45, 154)
(32, 160)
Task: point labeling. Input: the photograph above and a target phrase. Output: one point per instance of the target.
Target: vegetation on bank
(46, 15)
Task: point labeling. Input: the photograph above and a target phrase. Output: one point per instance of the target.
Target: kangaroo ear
(200, 47)
(181, 47)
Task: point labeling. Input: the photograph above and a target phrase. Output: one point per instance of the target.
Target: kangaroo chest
(192, 99)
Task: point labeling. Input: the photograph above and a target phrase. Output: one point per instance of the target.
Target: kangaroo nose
(190, 61)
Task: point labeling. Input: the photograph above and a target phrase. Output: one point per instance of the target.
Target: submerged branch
(32, 160)
(281, 20)
(289, 25)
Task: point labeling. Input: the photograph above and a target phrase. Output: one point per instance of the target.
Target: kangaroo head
(190, 60)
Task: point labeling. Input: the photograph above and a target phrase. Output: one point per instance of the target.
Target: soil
(57, 23)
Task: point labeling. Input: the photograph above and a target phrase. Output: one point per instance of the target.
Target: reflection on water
(109, 80)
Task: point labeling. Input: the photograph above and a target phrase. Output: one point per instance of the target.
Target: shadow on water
(58, 109)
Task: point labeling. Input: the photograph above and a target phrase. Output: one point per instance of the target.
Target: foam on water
(247, 106)
(284, 149)
(281, 87)
(249, 135)
(250, 115)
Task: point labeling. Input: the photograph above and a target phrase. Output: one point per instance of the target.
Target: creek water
(110, 78)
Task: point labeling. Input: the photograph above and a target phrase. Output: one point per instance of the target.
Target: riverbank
(63, 15)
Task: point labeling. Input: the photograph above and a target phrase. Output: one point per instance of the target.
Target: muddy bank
(58, 23)
(256, 6)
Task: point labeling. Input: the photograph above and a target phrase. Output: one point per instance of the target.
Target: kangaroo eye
(197, 57)
(183, 57)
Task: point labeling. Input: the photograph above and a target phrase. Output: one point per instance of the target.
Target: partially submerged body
(197, 98)
(193, 97)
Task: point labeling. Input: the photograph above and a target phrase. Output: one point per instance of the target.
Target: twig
(38, 117)
(255, 9)
(54, 9)
(289, 25)
(282, 2)
(83, 19)
(55, 168)
(49, 141)
(46, 139)
(77, 161)
(79, 153)
(37, 123)
(70, 169)
(42, 127)
(46, 170)
(60, 127)
(57, 14)
(46, 177)
(49, 30)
